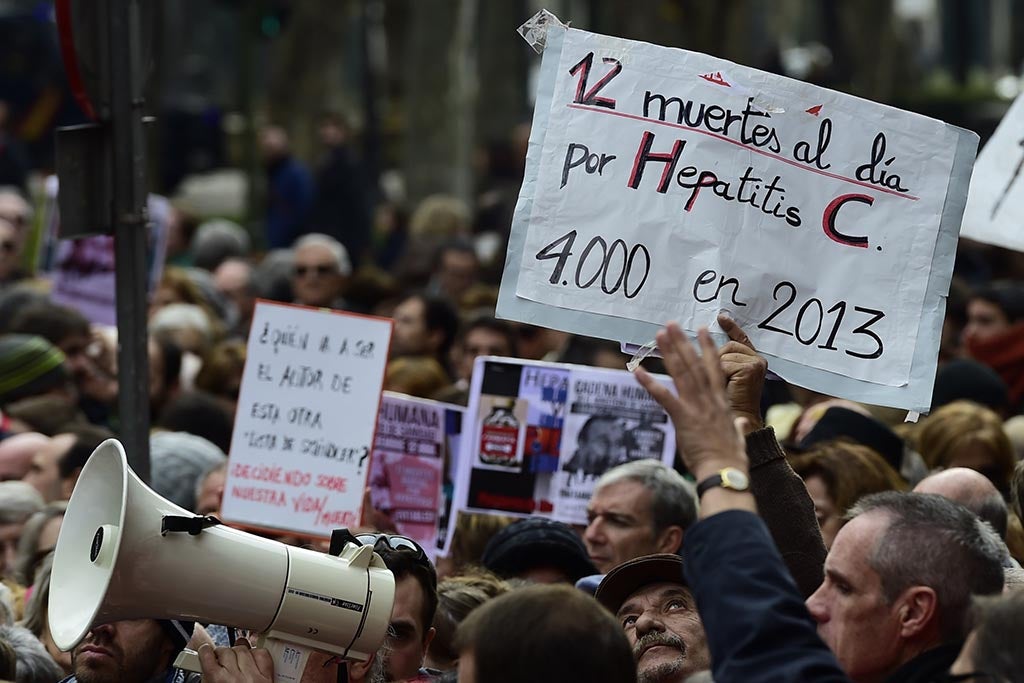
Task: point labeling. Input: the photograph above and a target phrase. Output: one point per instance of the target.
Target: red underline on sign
(723, 138)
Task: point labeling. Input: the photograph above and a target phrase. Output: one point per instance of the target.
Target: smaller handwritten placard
(306, 414)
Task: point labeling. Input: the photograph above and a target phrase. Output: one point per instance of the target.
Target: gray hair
(673, 498)
(201, 481)
(337, 249)
(18, 502)
(1013, 579)
(26, 564)
(217, 240)
(173, 317)
(932, 541)
(35, 665)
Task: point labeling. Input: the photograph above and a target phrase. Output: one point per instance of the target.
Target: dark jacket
(289, 197)
(757, 626)
(927, 667)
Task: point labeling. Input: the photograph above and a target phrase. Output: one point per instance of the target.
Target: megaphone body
(117, 558)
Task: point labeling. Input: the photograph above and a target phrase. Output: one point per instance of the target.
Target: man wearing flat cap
(659, 615)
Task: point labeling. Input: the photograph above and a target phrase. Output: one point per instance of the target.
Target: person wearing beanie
(135, 651)
(179, 460)
(843, 423)
(538, 550)
(30, 366)
(968, 380)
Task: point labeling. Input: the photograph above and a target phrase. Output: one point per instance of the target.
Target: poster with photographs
(407, 468)
(539, 435)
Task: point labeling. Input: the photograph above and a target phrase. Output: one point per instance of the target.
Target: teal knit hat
(29, 366)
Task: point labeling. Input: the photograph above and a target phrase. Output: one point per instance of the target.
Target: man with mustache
(658, 613)
(131, 651)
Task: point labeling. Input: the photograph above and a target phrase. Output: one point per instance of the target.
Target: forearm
(787, 510)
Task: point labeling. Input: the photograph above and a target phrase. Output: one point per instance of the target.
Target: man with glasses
(320, 271)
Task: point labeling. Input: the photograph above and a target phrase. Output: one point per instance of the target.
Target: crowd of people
(799, 537)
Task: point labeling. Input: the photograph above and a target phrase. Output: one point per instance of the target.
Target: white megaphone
(124, 552)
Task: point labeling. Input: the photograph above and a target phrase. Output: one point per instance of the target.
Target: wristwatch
(727, 478)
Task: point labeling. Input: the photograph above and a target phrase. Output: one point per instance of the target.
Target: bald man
(971, 489)
(16, 453)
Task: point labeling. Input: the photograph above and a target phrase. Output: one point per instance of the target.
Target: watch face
(734, 479)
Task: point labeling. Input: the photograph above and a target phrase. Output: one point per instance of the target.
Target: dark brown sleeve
(787, 510)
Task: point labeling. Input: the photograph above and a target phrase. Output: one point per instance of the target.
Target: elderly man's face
(666, 633)
(620, 525)
(854, 618)
(316, 280)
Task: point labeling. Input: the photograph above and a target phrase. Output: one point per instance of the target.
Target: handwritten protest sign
(664, 184)
(407, 472)
(306, 414)
(539, 435)
(995, 203)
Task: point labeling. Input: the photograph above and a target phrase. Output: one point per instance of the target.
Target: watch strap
(709, 483)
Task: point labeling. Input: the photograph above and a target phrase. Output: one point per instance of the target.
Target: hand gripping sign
(667, 185)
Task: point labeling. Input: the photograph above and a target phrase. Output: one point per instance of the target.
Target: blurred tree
(307, 67)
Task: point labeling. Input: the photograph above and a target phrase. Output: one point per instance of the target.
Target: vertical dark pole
(129, 220)
(370, 17)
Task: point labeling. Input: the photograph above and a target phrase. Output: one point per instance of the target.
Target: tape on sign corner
(641, 354)
(912, 416)
(535, 29)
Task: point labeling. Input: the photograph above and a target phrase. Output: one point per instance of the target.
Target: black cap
(537, 542)
(969, 380)
(843, 423)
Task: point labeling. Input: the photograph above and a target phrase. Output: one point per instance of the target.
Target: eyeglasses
(323, 270)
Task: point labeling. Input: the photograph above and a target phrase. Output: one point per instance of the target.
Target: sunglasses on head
(387, 542)
(322, 270)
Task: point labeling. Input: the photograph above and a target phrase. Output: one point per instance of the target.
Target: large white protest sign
(537, 436)
(995, 204)
(407, 467)
(305, 422)
(667, 185)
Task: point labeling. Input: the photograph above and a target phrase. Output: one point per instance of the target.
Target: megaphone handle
(289, 659)
(188, 660)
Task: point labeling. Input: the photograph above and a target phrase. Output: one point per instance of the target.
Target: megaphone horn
(124, 552)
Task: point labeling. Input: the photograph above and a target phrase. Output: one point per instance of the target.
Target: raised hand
(744, 371)
(706, 433)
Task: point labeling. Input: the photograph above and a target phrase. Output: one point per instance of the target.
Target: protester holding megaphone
(126, 556)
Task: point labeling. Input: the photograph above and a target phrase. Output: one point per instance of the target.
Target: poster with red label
(539, 435)
(408, 466)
